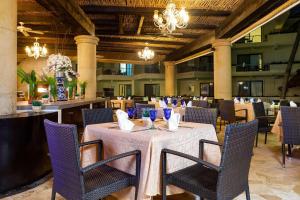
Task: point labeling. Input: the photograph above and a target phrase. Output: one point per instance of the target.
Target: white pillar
(169, 78)
(87, 63)
(8, 56)
(222, 70)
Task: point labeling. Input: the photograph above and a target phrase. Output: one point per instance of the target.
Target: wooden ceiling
(124, 26)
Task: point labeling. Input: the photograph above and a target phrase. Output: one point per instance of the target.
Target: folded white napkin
(194, 98)
(293, 104)
(162, 104)
(123, 121)
(153, 99)
(242, 101)
(236, 100)
(252, 100)
(169, 100)
(129, 98)
(201, 98)
(174, 121)
(119, 98)
(189, 104)
(258, 100)
(205, 98)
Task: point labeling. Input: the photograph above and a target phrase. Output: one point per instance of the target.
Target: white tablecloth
(150, 142)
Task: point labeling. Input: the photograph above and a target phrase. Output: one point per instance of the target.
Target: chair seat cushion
(196, 179)
(105, 180)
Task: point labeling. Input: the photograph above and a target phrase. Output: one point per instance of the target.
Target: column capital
(221, 42)
(169, 63)
(86, 39)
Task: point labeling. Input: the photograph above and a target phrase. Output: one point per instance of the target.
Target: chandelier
(146, 53)
(36, 51)
(171, 18)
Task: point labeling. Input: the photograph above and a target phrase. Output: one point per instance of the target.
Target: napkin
(194, 98)
(236, 100)
(293, 104)
(162, 104)
(189, 104)
(119, 98)
(169, 100)
(242, 101)
(201, 98)
(252, 100)
(174, 121)
(123, 121)
(153, 99)
(205, 98)
(129, 98)
(258, 100)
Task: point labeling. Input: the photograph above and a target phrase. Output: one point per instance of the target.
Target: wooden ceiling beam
(93, 9)
(71, 12)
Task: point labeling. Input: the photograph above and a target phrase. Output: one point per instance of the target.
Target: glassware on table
(167, 113)
(174, 103)
(153, 114)
(166, 100)
(131, 112)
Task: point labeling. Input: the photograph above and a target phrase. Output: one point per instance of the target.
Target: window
(152, 90)
(207, 89)
(125, 90)
(126, 69)
(250, 89)
(253, 37)
(249, 62)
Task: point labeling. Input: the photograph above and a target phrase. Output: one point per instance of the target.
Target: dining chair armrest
(186, 156)
(201, 146)
(269, 118)
(246, 112)
(100, 146)
(137, 153)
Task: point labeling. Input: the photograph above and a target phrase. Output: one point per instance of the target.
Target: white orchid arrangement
(60, 63)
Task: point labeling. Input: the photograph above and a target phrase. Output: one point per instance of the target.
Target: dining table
(122, 103)
(248, 107)
(150, 141)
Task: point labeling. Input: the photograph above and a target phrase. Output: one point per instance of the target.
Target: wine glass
(131, 112)
(153, 114)
(174, 103)
(167, 113)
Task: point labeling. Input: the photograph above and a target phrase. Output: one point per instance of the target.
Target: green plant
(45, 96)
(146, 112)
(77, 95)
(36, 103)
(30, 79)
(71, 85)
(82, 85)
(51, 81)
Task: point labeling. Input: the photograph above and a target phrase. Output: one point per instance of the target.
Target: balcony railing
(183, 69)
(252, 68)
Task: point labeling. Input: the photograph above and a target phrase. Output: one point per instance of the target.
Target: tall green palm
(30, 79)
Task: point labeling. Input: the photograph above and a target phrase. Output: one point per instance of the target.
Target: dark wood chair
(264, 121)
(209, 181)
(200, 103)
(291, 129)
(201, 115)
(95, 181)
(97, 116)
(227, 113)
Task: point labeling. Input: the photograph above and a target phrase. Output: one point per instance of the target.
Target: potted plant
(31, 80)
(77, 96)
(51, 81)
(82, 86)
(45, 99)
(36, 106)
(71, 86)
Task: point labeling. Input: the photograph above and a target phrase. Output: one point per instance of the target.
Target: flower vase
(60, 84)
(70, 93)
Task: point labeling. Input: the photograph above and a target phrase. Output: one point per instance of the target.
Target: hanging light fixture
(146, 53)
(36, 50)
(171, 18)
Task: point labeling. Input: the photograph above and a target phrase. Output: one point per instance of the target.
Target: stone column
(170, 78)
(87, 63)
(222, 70)
(8, 56)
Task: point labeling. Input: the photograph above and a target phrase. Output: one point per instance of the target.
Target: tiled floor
(268, 180)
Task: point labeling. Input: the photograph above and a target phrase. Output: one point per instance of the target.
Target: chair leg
(247, 193)
(289, 150)
(266, 137)
(136, 191)
(283, 155)
(53, 194)
(220, 124)
(256, 139)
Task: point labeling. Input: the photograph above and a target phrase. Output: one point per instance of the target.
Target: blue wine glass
(182, 102)
(166, 100)
(174, 103)
(153, 114)
(131, 112)
(167, 113)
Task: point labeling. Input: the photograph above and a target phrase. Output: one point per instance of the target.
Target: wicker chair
(95, 181)
(284, 102)
(264, 121)
(139, 108)
(208, 181)
(227, 113)
(200, 103)
(291, 129)
(201, 115)
(96, 116)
